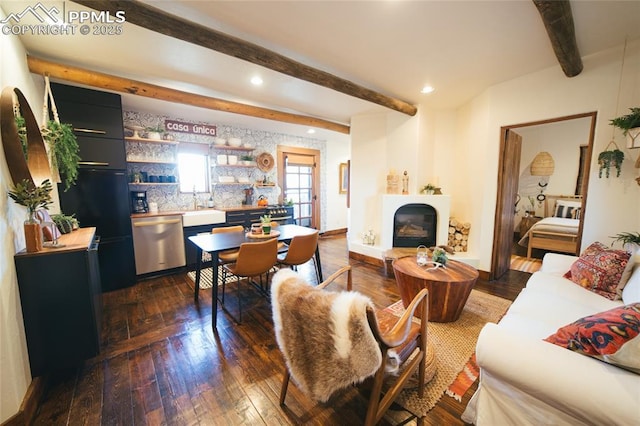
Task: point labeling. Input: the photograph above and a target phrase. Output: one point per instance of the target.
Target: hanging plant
(627, 122)
(63, 147)
(22, 134)
(608, 159)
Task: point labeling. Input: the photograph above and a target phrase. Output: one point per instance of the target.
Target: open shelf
(231, 148)
(153, 183)
(151, 162)
(132, 139)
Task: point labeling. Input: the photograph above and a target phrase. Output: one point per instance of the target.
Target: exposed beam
(558, 20)
(125, 85)
(156, 20)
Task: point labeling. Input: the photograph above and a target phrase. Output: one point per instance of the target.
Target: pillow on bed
(599, 269)
(565, 208)
(611, 336)
(575, 213)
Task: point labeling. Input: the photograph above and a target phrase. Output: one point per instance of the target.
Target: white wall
(462, 147)
(15, 374)
(336, 204)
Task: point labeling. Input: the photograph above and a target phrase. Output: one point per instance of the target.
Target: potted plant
(154, 132)
(630, 126)
(608, 159)
(33, 197)
(246, 159)
(266, 224)
(630, 240)
(428, 189)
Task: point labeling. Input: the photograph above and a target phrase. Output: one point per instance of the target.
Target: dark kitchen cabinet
(102, 153)
(97, 121)
(61, 302)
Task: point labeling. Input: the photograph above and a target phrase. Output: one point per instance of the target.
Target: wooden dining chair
(332, 340)
(301, 249)
(254, 259)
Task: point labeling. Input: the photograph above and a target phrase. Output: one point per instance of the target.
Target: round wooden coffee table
(449, 287)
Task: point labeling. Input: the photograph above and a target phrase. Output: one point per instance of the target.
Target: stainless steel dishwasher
(158, 242)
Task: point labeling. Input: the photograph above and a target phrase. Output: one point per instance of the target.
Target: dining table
(216, 243)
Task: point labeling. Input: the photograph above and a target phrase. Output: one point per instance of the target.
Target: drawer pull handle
(92, 163)
(160, 222)
(98, 132)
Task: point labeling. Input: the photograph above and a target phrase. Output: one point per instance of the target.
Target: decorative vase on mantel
(33, 233)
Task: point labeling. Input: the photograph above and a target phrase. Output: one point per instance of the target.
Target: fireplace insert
(414, 225)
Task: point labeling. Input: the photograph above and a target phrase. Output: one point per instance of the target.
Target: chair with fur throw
(331, 340)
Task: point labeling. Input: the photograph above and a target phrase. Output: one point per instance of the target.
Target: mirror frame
(36, 169)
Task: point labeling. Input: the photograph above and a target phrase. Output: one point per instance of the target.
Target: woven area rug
(206, 277)
(523, 264)
(454, 344)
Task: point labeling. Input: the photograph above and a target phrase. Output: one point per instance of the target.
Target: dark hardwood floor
(161, 363)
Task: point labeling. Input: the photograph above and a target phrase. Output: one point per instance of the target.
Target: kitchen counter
(182, 212)
(77, 240)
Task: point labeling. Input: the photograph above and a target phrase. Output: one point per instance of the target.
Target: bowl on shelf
(243, 179)
(219, 141)
(226, 179)
(232, 159)
(235, 142)
(247, 145)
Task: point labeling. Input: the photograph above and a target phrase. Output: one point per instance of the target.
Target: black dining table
(215, 243)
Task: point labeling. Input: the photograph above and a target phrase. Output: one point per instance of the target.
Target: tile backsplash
(159, 160)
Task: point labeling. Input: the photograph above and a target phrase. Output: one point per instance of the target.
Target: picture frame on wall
(344, 178)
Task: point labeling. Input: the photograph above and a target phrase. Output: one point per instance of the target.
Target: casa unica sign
(196, 129)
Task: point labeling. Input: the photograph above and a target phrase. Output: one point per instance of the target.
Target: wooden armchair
(331, 340)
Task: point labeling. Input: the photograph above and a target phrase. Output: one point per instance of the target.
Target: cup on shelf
(153, 207)
(232, 159)
(221, 159)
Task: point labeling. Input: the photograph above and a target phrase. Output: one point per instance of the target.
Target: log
(134, 87)
(155, 19)
(558, 21)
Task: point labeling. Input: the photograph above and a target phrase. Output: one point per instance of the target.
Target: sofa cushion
(612, 336)
(631, 291)
(599, 269)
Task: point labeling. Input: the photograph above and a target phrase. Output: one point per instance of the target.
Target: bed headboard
(550, 202)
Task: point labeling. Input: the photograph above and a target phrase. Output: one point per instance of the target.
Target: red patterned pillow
(611, 336)
(599, 269)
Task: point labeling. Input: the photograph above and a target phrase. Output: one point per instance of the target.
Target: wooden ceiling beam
(125, 85)
(154, 19)
(558, 20)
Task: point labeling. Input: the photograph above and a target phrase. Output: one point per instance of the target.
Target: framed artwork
(344, 178)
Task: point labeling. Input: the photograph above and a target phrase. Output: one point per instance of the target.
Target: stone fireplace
(414, 225)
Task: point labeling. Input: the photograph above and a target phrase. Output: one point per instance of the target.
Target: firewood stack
(458, 234)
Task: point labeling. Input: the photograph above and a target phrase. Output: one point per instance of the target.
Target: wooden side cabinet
(526, 223)
(61, 302)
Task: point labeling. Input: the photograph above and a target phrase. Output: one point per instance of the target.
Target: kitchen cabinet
(61, 302)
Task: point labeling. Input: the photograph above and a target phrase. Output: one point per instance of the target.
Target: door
(507, 192)
(298, 176)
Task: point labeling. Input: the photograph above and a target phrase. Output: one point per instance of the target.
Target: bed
(558, 230)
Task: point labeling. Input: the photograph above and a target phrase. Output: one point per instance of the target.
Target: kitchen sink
(203, 217)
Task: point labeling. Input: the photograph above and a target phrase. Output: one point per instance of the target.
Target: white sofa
(527, 381)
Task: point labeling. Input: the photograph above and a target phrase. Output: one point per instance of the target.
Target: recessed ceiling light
(311, 131)
(256, 81)
(427, 89)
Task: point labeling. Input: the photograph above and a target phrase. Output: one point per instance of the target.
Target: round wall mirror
(36, 166)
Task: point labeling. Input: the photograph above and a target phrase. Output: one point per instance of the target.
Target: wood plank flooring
(161, 364)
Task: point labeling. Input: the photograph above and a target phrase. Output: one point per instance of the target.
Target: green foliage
(64, 145)
(22, 134)
(64, 223)
(428, 187)
(627, 238)
(606, 159)
(439, 255)
(629, 121)
(32, 197)
(246, 158)
(266, 219)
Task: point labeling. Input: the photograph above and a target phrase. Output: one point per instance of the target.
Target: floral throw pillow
(599, 269)
(611, 336)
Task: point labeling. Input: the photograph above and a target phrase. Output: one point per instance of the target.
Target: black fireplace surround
(414, 225)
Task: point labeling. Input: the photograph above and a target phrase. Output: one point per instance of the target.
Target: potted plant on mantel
(630, 126)
(33, 197)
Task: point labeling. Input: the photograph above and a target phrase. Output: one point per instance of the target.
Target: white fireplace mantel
(391, 203)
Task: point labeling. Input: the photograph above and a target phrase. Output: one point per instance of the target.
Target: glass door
(299, 183)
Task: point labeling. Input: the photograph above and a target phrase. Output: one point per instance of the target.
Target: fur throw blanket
(324, 336)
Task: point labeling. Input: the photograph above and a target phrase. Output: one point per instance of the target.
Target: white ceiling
(391, 46)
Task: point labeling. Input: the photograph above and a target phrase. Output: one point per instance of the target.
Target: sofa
(525, 380)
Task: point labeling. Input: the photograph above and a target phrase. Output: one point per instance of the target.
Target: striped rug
(523, 264)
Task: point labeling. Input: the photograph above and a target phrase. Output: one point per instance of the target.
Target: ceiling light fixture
(256, 81)
(311, 131)
(427, 89)
(542, 165)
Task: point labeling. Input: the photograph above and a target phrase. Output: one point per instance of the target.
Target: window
(193, 167)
